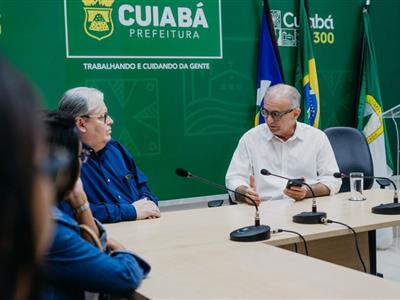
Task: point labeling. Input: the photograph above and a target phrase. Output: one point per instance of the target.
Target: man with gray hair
(285, 147)
(116, 189)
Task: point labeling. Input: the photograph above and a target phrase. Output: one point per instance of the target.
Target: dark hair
(62, 136)
(20, 134)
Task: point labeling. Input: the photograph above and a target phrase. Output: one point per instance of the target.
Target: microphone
(245, 234)
(381, 209)
(340, 175)
(298, 181)
(184, 173)
(305, 217)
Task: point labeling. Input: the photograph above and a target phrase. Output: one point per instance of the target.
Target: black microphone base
(309, 217)
(387, 209)
(251, 234)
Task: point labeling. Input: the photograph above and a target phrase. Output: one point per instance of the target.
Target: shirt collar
(298, 133)
(268, 134)
(93, 153)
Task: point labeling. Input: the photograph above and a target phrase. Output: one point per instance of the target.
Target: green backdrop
(192, 114)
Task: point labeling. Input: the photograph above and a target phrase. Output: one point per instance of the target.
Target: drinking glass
(357, 186)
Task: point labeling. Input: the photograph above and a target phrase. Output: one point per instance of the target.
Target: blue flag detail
(269, 72)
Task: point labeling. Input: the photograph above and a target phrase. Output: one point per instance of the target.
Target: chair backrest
(352, 154)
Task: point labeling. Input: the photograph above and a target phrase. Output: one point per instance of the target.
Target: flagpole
(308, 14)
(360, 73)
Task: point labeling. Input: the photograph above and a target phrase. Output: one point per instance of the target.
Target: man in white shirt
(285, 147)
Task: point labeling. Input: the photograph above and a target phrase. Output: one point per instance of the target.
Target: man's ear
(80, 124)
(297, 112)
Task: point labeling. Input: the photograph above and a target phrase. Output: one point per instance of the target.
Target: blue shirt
(112, 182)
(72, 265)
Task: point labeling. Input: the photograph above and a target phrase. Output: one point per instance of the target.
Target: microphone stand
(305, 217)
(252, 233)
(388, 208)
(220, 186)
(310, 217)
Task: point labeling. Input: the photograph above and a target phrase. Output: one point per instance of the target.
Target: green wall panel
(191, 116)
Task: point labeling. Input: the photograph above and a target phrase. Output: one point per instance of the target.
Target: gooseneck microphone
(381, 209)
(305, 217)
(245, 234)
(184, 173)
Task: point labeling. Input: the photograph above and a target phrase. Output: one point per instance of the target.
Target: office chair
(352, 154)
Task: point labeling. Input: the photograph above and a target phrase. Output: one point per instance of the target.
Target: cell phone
(295, 182)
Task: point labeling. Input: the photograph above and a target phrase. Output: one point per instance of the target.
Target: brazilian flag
(306, 78)
(370, 120)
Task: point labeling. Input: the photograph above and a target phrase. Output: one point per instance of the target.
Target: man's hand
(146, 209)
(297, 192)
(249, 192)
(300, 193)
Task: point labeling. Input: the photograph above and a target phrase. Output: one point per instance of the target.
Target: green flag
(306, 70)
(370, 120)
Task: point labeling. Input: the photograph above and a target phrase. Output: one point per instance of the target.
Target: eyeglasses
(84, 156)
(102, 117)
(275, 115)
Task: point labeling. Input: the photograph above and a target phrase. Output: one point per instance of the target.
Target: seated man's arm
(326, 167)
(146, 209)
(103, 202)
(110, 213)
(246, 194)
(143, 188)
(147, 205)
(238, 177)
(302, 192)
(140, 180)
(138, 210)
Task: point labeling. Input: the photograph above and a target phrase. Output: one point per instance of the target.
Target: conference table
(192, 257)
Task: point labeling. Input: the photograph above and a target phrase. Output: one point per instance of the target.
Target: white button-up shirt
(307, 154)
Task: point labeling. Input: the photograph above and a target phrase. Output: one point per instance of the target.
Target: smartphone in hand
(294, 182)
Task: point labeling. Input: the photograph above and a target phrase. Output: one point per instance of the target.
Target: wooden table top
(206, 226)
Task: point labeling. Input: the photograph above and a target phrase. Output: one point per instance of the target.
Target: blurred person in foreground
(74, 266)
(26, 189)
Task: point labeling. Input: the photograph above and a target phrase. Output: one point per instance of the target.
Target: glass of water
(357, 186)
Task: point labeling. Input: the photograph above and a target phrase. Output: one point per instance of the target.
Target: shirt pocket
(130, 183)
